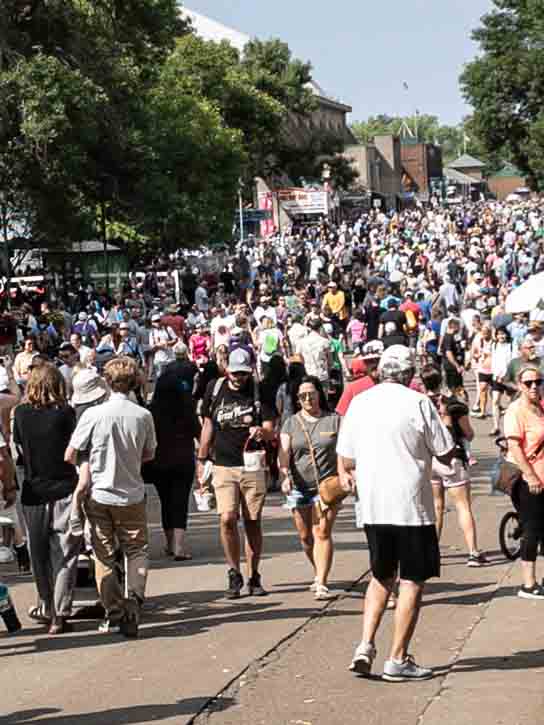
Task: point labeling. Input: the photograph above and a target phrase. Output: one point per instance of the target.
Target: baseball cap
(332, 284)
(82, 316)
(373, 349)
(239, 362)
(88, 387)
(124, 326)
(396, 359)
(236, 332)
(155, 318)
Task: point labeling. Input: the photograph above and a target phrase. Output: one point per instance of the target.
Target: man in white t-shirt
(161, 342)
(389, 436)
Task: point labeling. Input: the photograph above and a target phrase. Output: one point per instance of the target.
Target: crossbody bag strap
(536, 453)
(310, 447)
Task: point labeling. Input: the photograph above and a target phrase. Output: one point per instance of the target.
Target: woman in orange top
(524, 430)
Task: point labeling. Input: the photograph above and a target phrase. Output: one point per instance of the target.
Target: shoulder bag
(509, 474)
(331, 491)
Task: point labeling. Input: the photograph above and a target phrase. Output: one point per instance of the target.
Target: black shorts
(454, 380)
(485, 378)
(412, 551)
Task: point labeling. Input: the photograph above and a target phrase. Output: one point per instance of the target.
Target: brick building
(422, 165)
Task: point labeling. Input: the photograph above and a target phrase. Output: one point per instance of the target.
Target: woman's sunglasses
(537, 382)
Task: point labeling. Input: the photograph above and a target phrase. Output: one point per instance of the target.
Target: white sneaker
(536, 592)
(6, 555)
(322, 593)
(314, 585)
(364, 657)
(405, 671)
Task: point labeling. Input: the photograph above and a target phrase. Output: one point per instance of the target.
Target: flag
(405, 85)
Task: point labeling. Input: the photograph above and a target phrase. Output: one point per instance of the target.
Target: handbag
(331, 492)
(254, 460)
(510, 474)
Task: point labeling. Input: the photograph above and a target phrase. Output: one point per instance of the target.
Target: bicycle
(510, 528)
(510, 532)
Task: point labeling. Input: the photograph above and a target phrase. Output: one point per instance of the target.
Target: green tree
(505, 85)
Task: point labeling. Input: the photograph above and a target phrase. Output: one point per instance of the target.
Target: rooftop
(466, 162)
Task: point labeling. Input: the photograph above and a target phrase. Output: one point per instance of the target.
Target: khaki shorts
(234, 486)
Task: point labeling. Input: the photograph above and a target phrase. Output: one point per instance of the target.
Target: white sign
(304, 201)
(377, 203)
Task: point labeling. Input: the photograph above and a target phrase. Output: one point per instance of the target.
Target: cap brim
(240, 369)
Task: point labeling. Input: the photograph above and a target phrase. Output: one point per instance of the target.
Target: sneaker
(472, 461)
(477, 414)
(404, 671)
(535, 592)
(236, 582)
(254, 586)
(109, 625)
(478, 558)
(314, 584)
(323, 593)
(362, 661)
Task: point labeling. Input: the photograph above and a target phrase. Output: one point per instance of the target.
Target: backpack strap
(218, 386)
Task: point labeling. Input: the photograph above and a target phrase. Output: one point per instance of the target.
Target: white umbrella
(528, 296)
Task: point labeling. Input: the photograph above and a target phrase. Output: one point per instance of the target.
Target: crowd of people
(313, 356)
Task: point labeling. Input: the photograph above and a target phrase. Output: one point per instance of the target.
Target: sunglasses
(240, 374)
(307, 396)
(537, 382)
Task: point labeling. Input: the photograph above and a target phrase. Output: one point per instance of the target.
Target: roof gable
(466, 162)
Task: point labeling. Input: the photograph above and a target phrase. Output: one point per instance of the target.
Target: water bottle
(7, 611)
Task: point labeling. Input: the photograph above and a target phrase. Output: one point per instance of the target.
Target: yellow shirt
(336, 302)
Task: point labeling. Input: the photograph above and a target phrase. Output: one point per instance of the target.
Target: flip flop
(38, 614)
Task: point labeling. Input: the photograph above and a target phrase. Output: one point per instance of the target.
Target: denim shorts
(298, 499)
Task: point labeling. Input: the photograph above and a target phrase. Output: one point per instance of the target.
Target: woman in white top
(502, 352)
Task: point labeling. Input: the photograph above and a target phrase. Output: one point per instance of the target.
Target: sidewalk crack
(458, 652)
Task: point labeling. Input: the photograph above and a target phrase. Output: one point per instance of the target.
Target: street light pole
(241, 210)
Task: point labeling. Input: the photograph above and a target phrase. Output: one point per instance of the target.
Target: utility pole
(6, 248)
(241, 210)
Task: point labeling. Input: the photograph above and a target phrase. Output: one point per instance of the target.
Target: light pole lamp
(326, 176)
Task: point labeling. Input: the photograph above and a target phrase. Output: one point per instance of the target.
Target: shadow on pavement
(117, 716)
(185, 621)
(524, 660)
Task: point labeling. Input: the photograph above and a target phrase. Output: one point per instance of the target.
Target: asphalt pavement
(282, 659)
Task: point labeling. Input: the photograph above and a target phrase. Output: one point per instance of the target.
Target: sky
(362, 51)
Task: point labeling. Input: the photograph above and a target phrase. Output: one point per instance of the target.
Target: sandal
(38, 614)
(60, 626)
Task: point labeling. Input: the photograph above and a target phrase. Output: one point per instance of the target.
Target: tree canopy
(505, 85)
(116, 111)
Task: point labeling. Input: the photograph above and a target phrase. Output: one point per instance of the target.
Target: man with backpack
(234, 420)
(87, 330)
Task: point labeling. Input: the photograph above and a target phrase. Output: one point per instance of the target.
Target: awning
(459, 178)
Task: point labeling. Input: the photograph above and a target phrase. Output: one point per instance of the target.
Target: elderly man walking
(389, 437)
(119, 436)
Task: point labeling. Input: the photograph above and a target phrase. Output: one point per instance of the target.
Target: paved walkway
(282, 660)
